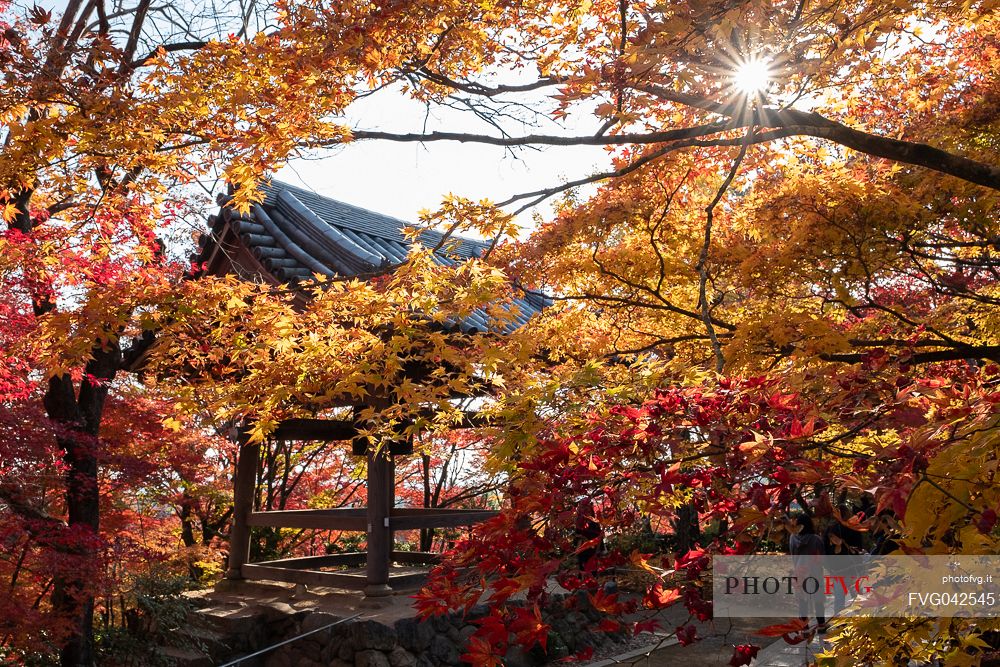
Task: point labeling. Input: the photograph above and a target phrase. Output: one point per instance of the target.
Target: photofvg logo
(828, 584)
(886, 586)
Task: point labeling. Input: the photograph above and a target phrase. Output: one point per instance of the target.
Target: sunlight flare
(753, 75)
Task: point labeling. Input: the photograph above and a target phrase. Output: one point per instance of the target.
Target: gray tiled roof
(295, 233)
(383, 231)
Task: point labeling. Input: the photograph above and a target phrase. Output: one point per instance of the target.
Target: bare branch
(785, 123)
(474, 88)
(989, 352)
(702, 266)
(169, 48)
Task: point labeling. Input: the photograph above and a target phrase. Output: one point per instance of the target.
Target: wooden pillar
(391, 501)
(243, 496)
(381, 497)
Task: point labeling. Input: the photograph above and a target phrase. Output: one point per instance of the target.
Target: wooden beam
(390, 502)
(470, 419)
(350, 581)
(331, 430)
(330, 519)
(328, 430)
(351, 559)
(436, 518)
(408, 580)
(307, 577)
(347, 559)
(419, 511)
(356, 519)
(359, 447)
(415, 558)
(220, 236)
(381, 497)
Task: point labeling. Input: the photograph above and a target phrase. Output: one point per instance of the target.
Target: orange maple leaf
(480, 654)
(657, 596)
(782, 628)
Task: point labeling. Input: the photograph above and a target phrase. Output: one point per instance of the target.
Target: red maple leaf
(782, 628)
(609, 625)
(528, 627)
(492, 629)
(480, 653)
(649, 625)
(604, 601)
(687, 634)
(743, 654)
(987, 520)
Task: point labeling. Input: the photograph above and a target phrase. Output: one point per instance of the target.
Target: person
(806, 549)
(839, 540)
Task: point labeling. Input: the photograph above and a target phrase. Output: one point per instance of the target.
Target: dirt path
(715, 647)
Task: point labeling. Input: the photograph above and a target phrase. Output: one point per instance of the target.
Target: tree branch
(702, 266)
(474, 88)
(990, 352)
(540, 139)
(169, 48)
(785, 123)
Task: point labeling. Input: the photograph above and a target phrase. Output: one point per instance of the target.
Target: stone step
(186, 657)
(228, 629)
(212, 642)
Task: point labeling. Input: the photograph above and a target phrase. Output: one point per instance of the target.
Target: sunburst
(753, 75)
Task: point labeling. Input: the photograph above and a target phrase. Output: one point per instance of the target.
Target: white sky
(400, 179)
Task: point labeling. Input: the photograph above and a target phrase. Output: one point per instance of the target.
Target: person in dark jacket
(839, 540)
(806, 549)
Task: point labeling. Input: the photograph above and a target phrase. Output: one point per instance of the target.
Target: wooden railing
(307, 569)
(409, 518)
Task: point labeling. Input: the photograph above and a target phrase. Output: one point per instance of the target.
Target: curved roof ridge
(290, 246)
(330, 238)
(341, 214)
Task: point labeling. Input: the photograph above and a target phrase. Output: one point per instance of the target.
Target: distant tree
(448, 470)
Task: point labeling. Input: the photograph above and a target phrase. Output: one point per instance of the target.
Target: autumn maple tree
(111, 115)
(108, 114)
(782, 289)
(830, 229)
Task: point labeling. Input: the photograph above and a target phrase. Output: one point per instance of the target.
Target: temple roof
(294, 234)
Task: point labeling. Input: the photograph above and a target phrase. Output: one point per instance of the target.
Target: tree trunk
(186, 516)
(426, 534)
(81, 416)
(686, 528)
(187, 533)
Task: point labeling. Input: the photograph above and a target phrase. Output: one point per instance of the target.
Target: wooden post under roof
(381, 497)
(244, 490)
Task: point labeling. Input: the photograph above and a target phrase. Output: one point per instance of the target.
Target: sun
(752, 76)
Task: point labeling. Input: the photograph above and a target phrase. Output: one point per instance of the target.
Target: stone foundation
(437, 642)
(228, 629)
